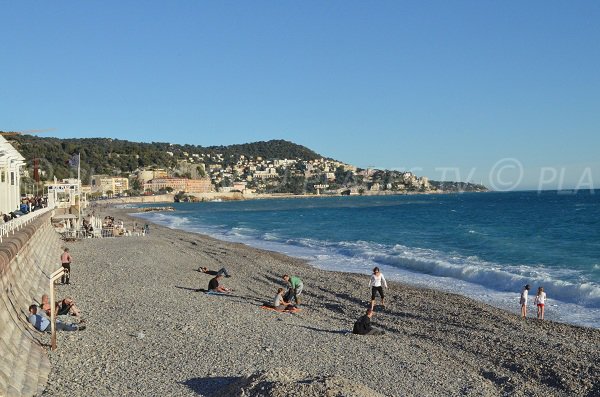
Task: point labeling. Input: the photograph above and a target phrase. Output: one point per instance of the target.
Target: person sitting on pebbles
(279, 302)
(66, 306)
(214, 286)
(42, 323)
(363, 326)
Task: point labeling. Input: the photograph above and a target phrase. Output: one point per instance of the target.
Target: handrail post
(53, 277)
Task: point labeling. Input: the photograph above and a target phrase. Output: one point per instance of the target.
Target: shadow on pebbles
(288, 382)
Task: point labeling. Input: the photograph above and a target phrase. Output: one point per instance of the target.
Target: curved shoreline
(150, 332)
(560, 311)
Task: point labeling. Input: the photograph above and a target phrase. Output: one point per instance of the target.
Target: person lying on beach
(296, 287)
(279, 302)
(363, 326)
(222, 271)
(42, 323)
(214, 286)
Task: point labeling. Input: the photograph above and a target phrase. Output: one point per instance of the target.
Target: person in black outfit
(213, 285)
(362, 326)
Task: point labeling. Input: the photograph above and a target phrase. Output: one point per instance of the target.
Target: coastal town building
(105, 184)
(185, 185)
(11, 162)
(144, 176)
(67, 194)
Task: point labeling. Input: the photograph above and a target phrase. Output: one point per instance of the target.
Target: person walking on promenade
(377, 283)
(540, 301)
(523, 300)
(296, 287)
(363, 326)
(66, 259)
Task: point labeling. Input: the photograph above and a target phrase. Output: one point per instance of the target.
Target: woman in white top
(377, 283)
(540, 301)
(523, 300)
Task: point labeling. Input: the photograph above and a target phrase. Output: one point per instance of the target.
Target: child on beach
(376, 283)
(279, 302)
(523, 300)
(540, 301)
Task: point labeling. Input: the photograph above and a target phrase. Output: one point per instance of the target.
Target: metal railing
(18, 223)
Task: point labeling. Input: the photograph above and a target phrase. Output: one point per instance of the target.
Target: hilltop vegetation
(273, 166)
(120, 157)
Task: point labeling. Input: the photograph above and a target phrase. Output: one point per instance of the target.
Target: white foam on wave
(491, 283)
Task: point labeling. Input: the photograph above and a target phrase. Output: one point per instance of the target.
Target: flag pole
(79, 192)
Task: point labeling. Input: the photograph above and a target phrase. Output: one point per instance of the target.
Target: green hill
(116, 157)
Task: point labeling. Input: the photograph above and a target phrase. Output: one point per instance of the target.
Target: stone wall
(27, 258)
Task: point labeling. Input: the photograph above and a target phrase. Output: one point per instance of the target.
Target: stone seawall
(27, 258)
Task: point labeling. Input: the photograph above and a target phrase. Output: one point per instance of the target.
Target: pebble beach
(151, 332)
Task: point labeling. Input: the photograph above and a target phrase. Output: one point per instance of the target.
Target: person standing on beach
(523, 300)
(66, 259)
(540, 301)
(377, 283)
(363, 326)
(296, 287)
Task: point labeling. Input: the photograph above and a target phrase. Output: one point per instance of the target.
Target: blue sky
(506, 93)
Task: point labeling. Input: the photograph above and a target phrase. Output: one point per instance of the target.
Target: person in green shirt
(296, 287)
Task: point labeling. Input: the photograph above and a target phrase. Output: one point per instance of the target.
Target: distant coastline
(236, 196)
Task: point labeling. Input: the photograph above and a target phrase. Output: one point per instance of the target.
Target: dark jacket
(213, 283)
(362, 326)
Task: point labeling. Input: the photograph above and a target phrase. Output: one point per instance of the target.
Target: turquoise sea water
(483, 245)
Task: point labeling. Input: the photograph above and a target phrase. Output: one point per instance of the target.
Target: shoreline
(560, 311)
(234, 196)
(150, 332)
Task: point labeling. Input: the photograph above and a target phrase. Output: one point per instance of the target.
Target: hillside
(115, 156)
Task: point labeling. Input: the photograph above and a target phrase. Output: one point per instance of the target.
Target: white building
(11, 162)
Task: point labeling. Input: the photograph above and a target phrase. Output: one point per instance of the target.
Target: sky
(506, 93)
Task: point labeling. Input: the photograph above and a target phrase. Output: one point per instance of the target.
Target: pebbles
(149, 332)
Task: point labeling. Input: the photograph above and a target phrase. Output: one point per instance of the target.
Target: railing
(20, 222)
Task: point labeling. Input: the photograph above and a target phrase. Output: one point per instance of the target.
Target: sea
(485, 246)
